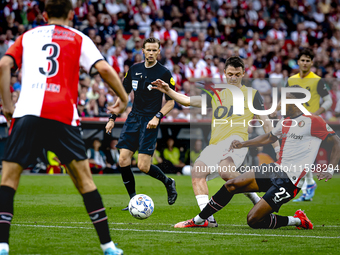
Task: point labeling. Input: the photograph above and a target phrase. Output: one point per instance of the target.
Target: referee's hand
(109, 126)
(153, 123)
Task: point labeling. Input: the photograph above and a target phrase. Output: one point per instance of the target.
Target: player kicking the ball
(301, 138)
(217, 154)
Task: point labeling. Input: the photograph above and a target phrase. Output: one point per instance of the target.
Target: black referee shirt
(147, 101)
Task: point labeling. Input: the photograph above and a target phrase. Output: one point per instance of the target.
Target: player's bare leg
(144, 164)
(228, 172)
(261, 216)
(9, 183)
(80, 174)
(126, 172)
(199, 173)
(243, 183)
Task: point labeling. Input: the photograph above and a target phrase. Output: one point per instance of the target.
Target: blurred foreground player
(301, 138)
(46, 114)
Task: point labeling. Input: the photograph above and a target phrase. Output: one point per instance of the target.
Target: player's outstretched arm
(6, 63)
(256, 142)
(180, 98)
(333, 141)
(112, 78)
(267, 127)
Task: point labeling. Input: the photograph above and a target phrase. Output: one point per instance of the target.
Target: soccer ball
(141, 206)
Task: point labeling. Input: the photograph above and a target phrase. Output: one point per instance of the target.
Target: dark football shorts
(135, 136)
(30, 135)
(278, 187)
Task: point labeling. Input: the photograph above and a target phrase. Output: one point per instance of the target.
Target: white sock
(304, 186)
(4, 246)
(254, 198)
(309, 178)
(107, 245)
(202, 201)
(292, 221)
(198, 220)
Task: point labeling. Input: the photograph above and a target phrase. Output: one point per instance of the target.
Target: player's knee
(226, 176)
(253, 221)
(124, 161)
(144, 167)
(199, 171)
(85, 186)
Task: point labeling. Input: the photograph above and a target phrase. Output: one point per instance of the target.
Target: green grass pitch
(50, 218)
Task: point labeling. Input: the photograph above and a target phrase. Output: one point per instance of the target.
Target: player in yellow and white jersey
(312, 82)
(215, 160)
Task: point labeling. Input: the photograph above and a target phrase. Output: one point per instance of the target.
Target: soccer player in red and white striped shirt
(45, 116)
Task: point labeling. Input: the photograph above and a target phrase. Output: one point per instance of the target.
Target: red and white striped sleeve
(15, 52)
(320, 128)
(90, 55)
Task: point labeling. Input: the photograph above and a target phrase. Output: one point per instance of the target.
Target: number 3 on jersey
(53, 50)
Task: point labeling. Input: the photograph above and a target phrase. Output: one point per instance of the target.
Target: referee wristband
(159, 115)
(113, 117)
(277, 149)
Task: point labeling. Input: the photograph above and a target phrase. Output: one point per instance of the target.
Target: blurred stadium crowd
(197, 37)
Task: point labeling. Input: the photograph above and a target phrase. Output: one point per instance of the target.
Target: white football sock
(4, 246)
(202, 201)
(304, 186)
(198, 220)
(107, 245)
(254, 198)
(292, 221)
(309, 178)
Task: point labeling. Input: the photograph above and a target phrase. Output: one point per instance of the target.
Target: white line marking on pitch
(183, 232)
(165, 224)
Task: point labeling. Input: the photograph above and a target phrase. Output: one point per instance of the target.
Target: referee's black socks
(128, 180)
(157, 173)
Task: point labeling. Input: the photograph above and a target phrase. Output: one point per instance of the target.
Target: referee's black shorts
(30, 135)
(135, 136)
(275, 182)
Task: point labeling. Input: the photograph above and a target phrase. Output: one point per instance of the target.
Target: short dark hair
(307, 52)
(297, 95)
(234, 62)
(58, 8)
(152, 40)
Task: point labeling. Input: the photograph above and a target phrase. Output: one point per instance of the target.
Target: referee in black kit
(141, 127)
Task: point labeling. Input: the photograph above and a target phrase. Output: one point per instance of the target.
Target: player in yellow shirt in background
(216, 154)
(312, 82)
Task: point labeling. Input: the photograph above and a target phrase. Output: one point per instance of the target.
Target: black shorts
(30, 135)
(278, 187)
(135, 136)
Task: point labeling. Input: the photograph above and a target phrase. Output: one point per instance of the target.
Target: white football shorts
(213, 154)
